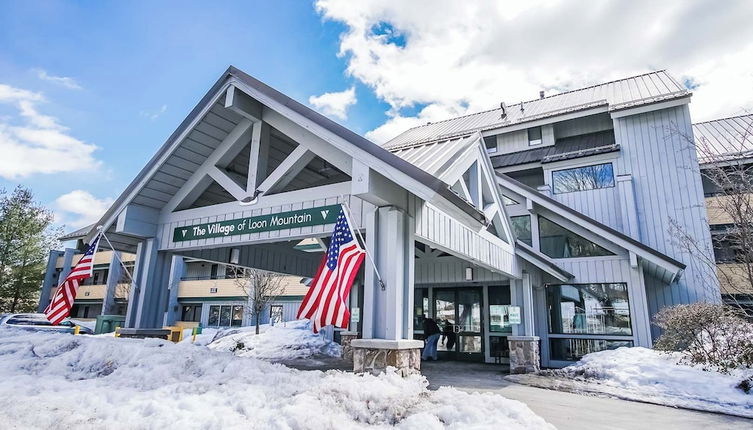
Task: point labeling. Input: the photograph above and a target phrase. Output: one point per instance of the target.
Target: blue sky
(90, 89)
(141, 67)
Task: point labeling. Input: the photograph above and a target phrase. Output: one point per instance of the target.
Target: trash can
(108, 323)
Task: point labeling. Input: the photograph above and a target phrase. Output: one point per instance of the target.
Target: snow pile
(293, 340)
(85, 382)
(647, 375)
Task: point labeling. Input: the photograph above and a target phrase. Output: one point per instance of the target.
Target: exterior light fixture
(469, 273)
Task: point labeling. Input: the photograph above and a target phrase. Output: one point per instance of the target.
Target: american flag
(327, 298)
(60, 306)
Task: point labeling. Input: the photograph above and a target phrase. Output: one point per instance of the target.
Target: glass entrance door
(457, 311)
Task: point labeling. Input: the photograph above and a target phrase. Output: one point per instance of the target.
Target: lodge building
(536, 232)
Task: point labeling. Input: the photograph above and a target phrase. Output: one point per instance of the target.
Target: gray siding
(450, 270)
(668, 187)
(603, 204)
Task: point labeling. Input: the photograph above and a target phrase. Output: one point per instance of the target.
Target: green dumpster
(108, 323)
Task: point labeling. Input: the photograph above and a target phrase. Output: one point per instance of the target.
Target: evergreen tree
(25, 241)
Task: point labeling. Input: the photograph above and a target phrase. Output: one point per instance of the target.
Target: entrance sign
(256, 224)
(514, 314)
(355, 315)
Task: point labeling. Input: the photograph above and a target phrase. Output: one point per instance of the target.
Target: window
(575, 349)
(508, 201)
(534, 136)
(499, 304)
(521, 225)
(275, 314)
(225, 316)
(191, 313)
(600, 309)
(491, 144)
(421, 307)
(559, 242)
(583, 178)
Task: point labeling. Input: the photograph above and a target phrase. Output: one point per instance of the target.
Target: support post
(177, 267)
(50, 280)
(525, 356)
(113, 278)
(389, 342)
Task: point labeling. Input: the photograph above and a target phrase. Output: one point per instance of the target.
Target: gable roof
(724, 139)
(208, 123)
(620, 94)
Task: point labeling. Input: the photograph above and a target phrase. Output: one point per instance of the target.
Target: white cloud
(335, 104)
(32, 142)
(152, 115)
(80, 208)
(67, 82)
(448, 58)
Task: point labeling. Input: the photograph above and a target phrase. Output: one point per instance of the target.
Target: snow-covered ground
(83, 382)
(647, 375)
(285, 341)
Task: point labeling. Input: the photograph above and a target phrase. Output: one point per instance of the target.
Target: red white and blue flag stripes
(326, 301)
(60, 306)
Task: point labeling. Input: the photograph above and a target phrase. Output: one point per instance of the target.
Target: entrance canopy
(251, 166)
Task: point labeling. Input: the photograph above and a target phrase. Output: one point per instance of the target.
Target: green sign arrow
(257, 224)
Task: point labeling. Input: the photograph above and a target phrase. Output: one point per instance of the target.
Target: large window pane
(574, 349)
(237, 320)
(589, 309)
(521, 225)
(214, 316)
(499, 305)
(559, 242)
(225, 316)
(421, 307)
(583, 178)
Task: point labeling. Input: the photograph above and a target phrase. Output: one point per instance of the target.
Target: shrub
(713, 335)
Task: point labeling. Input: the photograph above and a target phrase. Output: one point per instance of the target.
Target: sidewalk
(569, 411)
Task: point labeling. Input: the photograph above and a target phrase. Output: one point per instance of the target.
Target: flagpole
(348, 214)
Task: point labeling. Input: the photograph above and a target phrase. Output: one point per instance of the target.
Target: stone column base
(524, 354)
(346, 337)
(375, 355)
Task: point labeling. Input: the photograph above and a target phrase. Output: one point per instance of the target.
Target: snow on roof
(619, 94)
(724, 139)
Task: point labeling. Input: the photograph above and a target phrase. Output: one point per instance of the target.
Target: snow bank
(84, 382)
(647, 375)
(293, 340)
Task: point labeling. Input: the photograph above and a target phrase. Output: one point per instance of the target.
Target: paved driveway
(574, 411)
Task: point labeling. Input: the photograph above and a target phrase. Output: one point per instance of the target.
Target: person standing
(431, 331)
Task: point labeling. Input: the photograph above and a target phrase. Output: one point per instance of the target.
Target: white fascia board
(384, 168)
(543, 262)
(619, 112)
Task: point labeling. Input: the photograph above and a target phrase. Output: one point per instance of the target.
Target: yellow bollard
(76, 330)
(193, 334)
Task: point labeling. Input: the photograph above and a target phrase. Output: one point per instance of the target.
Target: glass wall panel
(589, 309)
(469, 310)
(521, 225)
(224, 316)
(420, 307)
(574, 349)
(583, 178)
(559, 242)
(237, 320)
(499, 304)
(214, 316)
